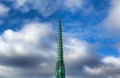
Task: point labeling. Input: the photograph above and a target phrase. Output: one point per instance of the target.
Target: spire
(60, 69)
(60, 47)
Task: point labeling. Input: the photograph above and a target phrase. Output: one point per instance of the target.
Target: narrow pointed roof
(60, 45)
(60, 68)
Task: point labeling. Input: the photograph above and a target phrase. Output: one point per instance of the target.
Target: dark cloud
(22, 61)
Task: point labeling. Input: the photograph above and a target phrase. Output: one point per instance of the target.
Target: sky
(28, 38)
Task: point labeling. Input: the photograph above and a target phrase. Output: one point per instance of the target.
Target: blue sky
(28, 34)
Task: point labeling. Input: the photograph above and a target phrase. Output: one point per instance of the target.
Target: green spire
(60, 69)
(60, 48)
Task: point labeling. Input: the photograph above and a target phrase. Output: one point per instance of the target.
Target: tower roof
(60, 45)
(60, 69)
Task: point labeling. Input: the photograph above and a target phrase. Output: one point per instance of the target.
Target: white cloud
(3, 10)
(112, 60)
(109, 28)
(20, 3)
(48, 7)
(73, 5)
(45, 7)
(18, 42)
(112, 21)
(76, 49)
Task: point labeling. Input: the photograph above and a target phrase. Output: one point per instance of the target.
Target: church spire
(60, 69)
(60, 47)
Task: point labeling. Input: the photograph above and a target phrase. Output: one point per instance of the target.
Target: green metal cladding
(60, 67)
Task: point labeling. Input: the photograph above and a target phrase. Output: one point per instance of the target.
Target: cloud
(3, 10)
(108, 69)
(73, 5)
(25, 50)
(112, 21)
(45, 7)
(31, 52)
(48, 7)
(77, 54)
(20, 3)
(108, 28)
